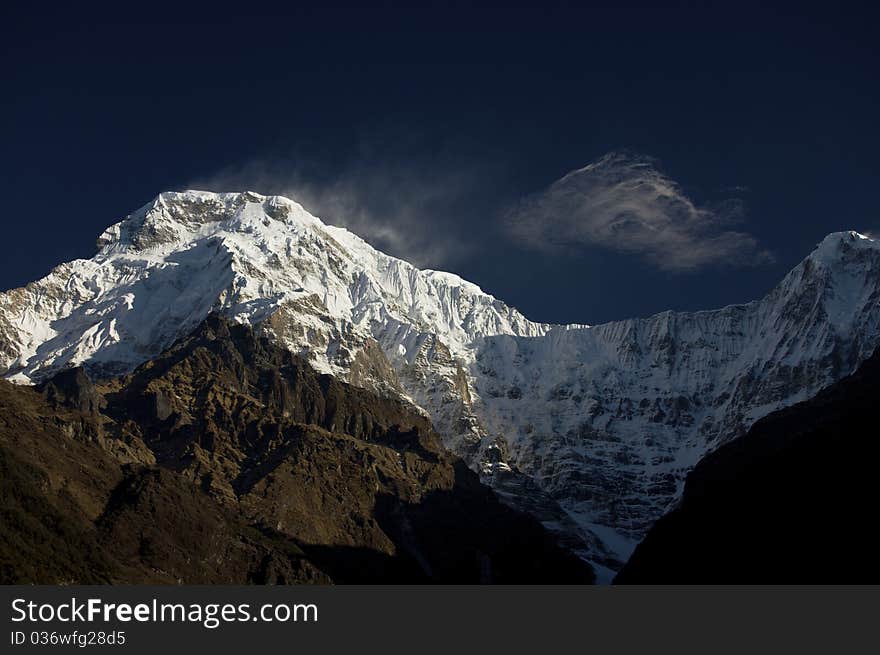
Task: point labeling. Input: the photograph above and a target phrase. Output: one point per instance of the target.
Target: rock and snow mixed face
(354, 312)
(603, 420)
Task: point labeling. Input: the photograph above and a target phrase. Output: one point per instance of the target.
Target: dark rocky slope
(793, 501)
(72, 514)
(229, 460)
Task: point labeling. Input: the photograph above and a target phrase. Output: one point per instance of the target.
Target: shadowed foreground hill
(793, 501)
(229, 460)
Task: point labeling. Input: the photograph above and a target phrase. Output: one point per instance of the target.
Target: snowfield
(592, 428)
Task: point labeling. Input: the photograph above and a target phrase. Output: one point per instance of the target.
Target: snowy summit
(602, 422)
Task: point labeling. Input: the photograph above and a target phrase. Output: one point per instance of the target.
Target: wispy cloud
(624, 203)
(404, 210)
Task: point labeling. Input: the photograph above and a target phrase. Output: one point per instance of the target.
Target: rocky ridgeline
(227, 459)
(591, 428)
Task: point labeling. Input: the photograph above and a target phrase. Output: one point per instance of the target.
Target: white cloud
(622, 202)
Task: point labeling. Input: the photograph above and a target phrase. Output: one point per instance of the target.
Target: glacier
(592, 428)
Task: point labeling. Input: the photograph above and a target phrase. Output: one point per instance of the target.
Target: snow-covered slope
(606, 420)
(609, 419)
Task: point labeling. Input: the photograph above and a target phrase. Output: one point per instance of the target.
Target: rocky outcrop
(72, 514)
(228, 459)
(72, 389)
(604, 421)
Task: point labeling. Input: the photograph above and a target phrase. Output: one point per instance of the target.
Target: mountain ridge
(605, 420)
(228, 460)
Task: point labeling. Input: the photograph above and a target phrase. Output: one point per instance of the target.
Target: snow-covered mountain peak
(603, 421)
(173, 218)
(842, 248)
(164, 267)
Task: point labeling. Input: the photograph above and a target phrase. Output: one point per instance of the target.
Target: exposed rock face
(790, 502)
(227, 459)
(72, 514)
(599, 423)
(73, 389)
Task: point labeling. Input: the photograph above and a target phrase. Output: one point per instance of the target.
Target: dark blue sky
(454, 114)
